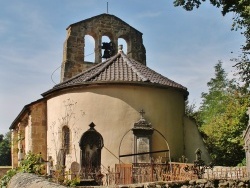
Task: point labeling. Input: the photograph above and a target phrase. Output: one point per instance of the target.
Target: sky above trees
(183, 46)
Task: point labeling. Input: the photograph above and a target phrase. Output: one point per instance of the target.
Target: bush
(32, 163)
(6, 178)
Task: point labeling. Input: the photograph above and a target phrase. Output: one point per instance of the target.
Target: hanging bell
(105, 45)
(106, 54)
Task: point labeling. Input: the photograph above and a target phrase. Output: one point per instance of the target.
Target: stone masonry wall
(193, 184)
(18, 140)
(30, 133)
(4, 169)
(39, 129)
(98, 26)
(25, 180)
(14, 149)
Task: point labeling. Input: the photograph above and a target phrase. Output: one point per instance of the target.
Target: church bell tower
(97, 27)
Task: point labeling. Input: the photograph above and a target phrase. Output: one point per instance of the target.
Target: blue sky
(183, 46)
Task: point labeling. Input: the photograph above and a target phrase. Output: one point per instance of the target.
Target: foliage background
(5, 151)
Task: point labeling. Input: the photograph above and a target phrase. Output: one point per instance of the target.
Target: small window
(66, 139)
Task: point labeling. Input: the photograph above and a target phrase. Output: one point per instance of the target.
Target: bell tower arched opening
(108, 47)
(89, 49)
(76, 58)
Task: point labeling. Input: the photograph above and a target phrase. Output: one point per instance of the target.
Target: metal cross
(142, 112)
(107, 7)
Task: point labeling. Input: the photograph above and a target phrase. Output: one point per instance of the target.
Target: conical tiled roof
(119, 69)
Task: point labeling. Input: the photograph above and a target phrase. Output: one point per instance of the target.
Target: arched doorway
(91, 144)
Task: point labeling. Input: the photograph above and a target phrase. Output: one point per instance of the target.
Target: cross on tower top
(107, 7)
(142, 112)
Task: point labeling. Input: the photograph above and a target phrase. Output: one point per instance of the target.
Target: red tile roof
(119, 68)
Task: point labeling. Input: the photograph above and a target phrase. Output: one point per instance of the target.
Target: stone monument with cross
(143, 134)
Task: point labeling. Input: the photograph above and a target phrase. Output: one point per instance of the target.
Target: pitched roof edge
(23, 111)
(130, 64)
(47, 93)
(172, 81)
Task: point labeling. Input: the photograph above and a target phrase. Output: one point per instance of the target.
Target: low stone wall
(3, 170)
(26, 180)
(193, 184)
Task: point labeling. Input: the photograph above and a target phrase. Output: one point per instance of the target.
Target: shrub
(32, 163)
(6, 178)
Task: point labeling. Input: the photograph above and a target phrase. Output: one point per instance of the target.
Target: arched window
(66, 139)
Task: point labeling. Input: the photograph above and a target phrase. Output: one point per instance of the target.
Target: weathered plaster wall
(193, 141)
(114, 110)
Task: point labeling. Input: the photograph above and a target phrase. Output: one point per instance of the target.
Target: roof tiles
(120, 68)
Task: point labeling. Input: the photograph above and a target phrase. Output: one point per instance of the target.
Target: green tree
(243, 69)
(213, 101)
(189, 109)
(5, 150)
(192, 112)
(223, 118)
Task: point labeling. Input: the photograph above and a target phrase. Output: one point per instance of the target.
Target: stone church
(110, 111)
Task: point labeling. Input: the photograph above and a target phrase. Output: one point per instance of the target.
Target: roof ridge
(130, 64)
(78, 75)
(106, 64)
